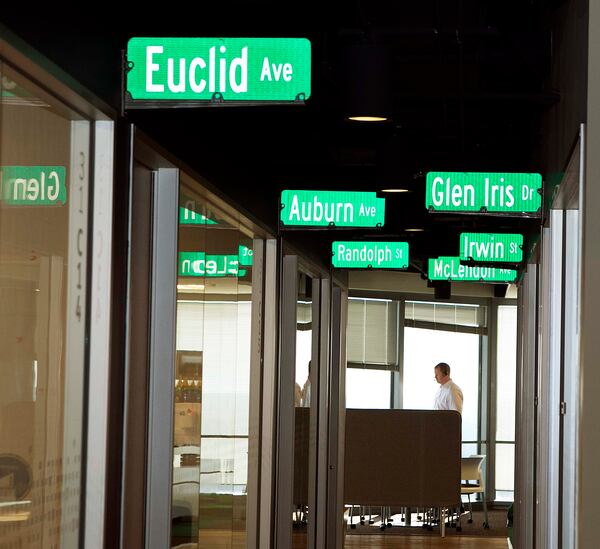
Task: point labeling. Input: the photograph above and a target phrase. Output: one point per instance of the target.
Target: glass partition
(44, 178)
(302, 405)
(211, 401)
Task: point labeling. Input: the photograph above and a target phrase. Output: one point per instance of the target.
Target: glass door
(192, 314)
(212, 375)
(302, 443)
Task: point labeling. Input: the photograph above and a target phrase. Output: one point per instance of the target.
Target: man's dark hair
(443, 368)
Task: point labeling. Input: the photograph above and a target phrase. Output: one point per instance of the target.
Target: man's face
(439, 377)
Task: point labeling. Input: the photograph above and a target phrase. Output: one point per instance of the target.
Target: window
(506, 376)
(372, 352)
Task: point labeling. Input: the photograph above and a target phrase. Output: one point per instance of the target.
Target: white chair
(472, 482)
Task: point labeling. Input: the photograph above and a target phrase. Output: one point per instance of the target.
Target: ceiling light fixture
(395, 190)
(368, 118)
(414, 230)
(366, 83)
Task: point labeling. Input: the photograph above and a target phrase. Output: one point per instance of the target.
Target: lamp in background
(367, 83)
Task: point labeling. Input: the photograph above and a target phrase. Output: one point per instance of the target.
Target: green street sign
(245, 255)
(506, 193)
(210, 266)
(449, 268)
(369, 255)
(188, 214)
(218, 70)
(492, 247)
(33, 185)
(334, 209)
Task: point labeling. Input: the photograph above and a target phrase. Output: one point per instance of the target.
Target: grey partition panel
(402, 457)
(285, 403)
(162, 360)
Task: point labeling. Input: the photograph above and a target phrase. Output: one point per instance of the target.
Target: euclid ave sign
(334, 209)
(217, 70)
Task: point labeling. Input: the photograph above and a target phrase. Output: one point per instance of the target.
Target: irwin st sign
(516, 194)
(369, 255)
(450, 268)
(33, 185)
(334, 209)
(496, 247)
(217, 70)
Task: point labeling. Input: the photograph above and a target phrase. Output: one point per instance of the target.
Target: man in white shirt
(449, 395)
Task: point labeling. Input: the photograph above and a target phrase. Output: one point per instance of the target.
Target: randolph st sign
(217, 70)
(513, 194)
(369, 255)
(334, 209)
(449, 268)
(496, 247)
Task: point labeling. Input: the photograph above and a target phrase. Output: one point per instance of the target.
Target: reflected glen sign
(507, 193)
(201, 264)
(449, 268)
(331, 209)
(492, 247)
(219, 69)
(369, 255)
(33, 185)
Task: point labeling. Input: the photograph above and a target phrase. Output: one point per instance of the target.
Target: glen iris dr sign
(33, 185)
(369, 255)
(449, 268)
(497, 247)
(333, 209)
(512, 194)
(217, 70)
(210, 266)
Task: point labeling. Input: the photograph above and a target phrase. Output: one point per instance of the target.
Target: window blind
(372, 332)
(446, 316)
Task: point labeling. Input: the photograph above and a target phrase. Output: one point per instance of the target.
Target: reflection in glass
(44, 166)
(302, 398)
(210, 462)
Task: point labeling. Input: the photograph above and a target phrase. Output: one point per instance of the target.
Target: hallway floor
(423, 542)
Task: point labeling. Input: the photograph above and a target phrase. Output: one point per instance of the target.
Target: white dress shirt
(449, 397)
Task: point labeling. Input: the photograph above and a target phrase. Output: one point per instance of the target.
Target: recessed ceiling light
(368, 118)
(395, 190)
(414, 230)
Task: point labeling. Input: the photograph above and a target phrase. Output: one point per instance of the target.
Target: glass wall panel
(302, 404)
(210, 462)
(44, 177)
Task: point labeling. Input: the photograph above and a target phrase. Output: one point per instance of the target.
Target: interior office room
(282, 276)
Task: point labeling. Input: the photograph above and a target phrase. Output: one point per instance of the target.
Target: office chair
(472, 482)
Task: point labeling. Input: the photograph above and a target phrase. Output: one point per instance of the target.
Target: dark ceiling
(466, 91)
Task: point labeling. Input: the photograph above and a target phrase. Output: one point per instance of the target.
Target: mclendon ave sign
(449, 268)
(217, 70)
(513, 194)
(333, 209)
